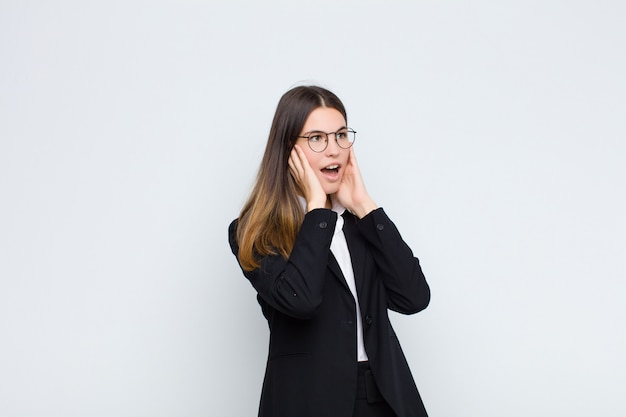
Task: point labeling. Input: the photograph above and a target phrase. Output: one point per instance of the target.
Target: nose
(332, 149)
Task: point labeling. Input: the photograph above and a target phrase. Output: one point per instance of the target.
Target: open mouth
(331, 169)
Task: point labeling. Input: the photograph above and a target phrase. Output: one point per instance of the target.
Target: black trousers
(369, 401)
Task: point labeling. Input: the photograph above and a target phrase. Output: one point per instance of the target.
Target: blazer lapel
(333, 265)
(356, 247)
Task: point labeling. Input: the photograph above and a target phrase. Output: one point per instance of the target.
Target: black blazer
(312, 368)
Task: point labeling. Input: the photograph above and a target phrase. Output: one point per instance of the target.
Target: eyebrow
(321, 131)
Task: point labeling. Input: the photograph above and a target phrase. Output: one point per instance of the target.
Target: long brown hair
(270, 219)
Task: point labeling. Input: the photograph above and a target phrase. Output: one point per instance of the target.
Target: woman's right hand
(306, 179)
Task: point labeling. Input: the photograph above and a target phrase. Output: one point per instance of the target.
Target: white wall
(492, 132)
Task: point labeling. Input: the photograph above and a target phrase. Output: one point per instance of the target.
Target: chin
(331, 189)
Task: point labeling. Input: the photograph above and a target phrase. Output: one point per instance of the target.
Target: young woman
(327, 264)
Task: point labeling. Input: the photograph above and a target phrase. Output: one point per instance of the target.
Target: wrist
(365, 208)
(312, 206)
(315, 204)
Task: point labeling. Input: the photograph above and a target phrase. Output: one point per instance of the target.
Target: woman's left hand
(352, 193)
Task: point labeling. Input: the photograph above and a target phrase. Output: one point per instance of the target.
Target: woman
(327, 263)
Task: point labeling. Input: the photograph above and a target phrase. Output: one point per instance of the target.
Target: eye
(315, 138)
(342, 135)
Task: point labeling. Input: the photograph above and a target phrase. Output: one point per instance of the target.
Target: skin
(318, 185)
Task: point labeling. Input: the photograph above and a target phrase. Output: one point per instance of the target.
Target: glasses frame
(319, 132)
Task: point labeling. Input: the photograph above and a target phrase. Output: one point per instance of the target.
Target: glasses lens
(318, 141)
(345, 138)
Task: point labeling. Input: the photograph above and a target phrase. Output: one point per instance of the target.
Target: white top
(339, 248)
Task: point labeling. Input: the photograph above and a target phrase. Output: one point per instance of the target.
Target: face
(329, 165)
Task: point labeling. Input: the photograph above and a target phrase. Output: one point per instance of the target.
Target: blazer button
(380, 226)
(323, 225)
(368, 319)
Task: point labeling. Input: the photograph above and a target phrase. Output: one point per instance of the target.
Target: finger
(294, 165)
(304, 163)
(302, 157)
(355, 168)
(353, 157)
(296, 159)
(292, 168)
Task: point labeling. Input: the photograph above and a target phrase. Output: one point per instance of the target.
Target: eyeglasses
(318, 141)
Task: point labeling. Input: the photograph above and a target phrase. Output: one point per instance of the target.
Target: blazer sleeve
(401, 273)
(294, 286)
